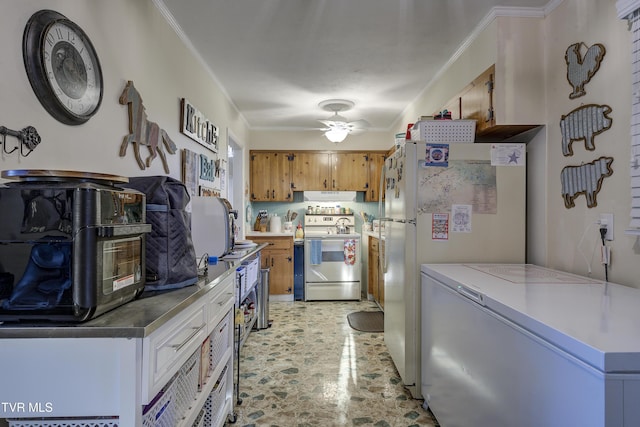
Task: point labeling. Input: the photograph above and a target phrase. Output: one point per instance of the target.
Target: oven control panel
(328, 220)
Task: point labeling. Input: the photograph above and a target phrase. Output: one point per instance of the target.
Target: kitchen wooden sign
(197, 127)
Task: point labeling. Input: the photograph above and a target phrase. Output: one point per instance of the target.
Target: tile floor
(311, 369)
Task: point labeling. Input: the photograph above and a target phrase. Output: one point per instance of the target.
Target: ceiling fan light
(336, 135)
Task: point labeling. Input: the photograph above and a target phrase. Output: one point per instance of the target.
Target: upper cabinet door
(281, 177)
(270, 177)
(349, 172)
(476, 101)
(376, 162)
(260, 181)
(311, 171)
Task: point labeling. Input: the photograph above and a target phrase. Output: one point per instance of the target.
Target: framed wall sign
(197, 127)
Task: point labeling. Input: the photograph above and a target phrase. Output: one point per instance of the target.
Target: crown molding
(159, 4)
(627, 7)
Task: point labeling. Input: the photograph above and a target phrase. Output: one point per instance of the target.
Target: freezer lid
(593, 321)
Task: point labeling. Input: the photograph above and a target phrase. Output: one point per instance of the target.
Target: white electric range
(331, 257)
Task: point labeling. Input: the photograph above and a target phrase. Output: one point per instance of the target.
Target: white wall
(557, 237)
(133, 42)
(477, 57)
(590, 21)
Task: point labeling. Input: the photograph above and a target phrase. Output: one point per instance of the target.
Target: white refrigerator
(444, 203)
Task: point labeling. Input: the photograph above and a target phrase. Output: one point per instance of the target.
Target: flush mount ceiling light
(337, 127)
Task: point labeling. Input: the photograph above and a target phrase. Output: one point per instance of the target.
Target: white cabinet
(124, 368)
(168, 348)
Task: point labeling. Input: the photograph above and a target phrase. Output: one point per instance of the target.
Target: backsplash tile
(300, 206)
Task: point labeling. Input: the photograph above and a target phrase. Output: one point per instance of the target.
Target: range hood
(329, 196)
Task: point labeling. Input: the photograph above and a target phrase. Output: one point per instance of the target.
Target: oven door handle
(334, 236)
(122, 230)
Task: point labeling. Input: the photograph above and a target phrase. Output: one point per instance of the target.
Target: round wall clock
(62, 67)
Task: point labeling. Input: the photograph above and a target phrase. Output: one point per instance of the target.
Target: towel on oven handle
(316, 252)
(350, 251)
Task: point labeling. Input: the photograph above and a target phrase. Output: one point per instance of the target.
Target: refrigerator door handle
(471, 294)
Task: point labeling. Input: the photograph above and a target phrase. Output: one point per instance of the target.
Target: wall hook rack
(28, 138)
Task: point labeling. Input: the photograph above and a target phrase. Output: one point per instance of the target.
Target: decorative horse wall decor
(142, 131)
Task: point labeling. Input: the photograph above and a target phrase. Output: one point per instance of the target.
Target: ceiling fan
(337, 127)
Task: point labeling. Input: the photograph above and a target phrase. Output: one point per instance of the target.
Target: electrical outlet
(606, 219)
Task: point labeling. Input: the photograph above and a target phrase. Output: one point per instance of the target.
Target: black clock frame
(32, 48)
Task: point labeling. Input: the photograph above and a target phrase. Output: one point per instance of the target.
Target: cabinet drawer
(284, 243)
(166, 349)
(221, 300)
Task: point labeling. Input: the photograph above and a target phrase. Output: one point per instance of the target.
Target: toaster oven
(69, 250)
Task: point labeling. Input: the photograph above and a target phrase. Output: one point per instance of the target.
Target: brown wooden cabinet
(311, 171)
(349, 171)
(476, 102)
(276, 174)
(278, 258)
(271, 176)
(376, 163)
(330, 171)
(376, 277)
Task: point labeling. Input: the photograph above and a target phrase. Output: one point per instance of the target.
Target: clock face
(62, 67)
(71, 69)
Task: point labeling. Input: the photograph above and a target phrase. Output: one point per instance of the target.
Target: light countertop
(253, 233)
(135, 319)
(373, 234)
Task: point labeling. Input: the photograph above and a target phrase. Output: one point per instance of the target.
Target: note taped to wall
(440, 226)
(508, 155)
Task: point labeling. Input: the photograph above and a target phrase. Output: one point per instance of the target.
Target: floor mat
(367, 321)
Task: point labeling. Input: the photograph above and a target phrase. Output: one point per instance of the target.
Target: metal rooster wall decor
(582, 67)
(143, 132)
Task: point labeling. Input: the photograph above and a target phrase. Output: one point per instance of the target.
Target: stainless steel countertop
(135, 319)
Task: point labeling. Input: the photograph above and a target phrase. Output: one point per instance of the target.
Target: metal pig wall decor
(143, 132)
(584, 123)
(581, 68)
(585, 179)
